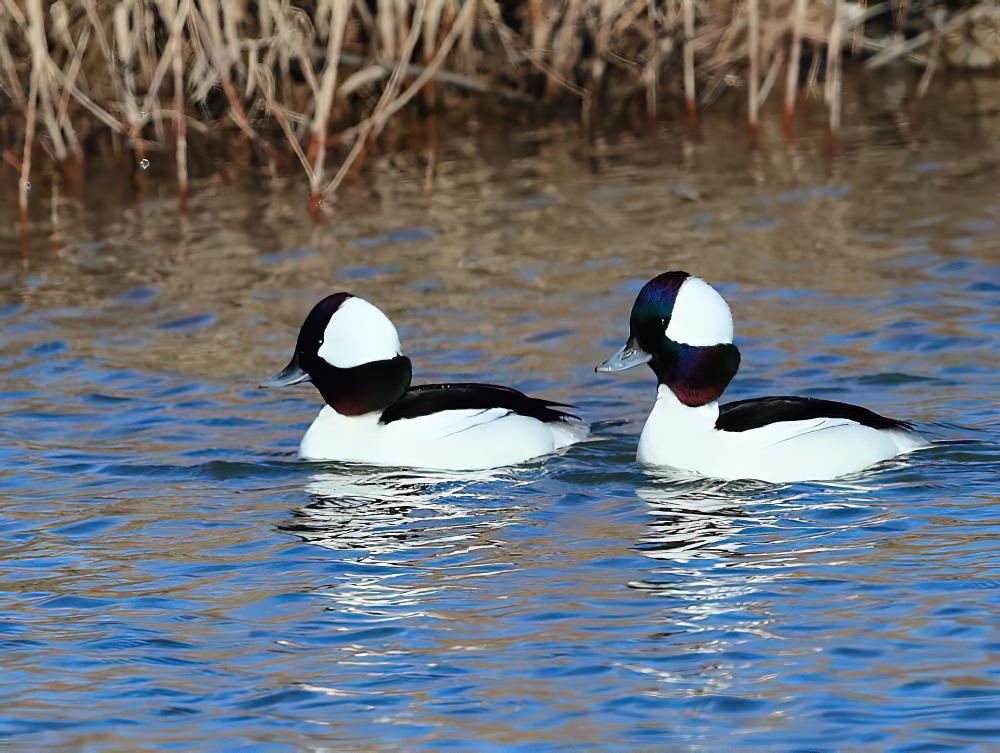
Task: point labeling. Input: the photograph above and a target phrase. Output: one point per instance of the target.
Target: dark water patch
(145, 470)
(424, 286)
(554, 334)
(978, 225)
(800, 195)
(528, 203)
(86, 528)
(12, 309)
(365, 273)
(47, 349)
(141, 294)
(75, 603)
(105, 399)
(405, 235)
(197, 321)
(177, 390)
(984, 286)
(895, 378)
(757, 223)
(292, 254)
(222, 470)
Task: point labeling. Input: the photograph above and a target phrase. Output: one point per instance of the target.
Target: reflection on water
(734, 557)
(384, 512)
(169, 574)
(401, 520)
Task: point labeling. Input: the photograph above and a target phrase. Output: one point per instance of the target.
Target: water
(170, 575)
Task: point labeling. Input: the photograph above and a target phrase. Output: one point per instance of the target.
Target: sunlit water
(170, 575)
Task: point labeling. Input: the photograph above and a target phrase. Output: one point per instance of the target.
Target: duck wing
(427, 399)
(744, 415)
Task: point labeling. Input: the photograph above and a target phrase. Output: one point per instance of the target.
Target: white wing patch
(450, 422)
(785, 431)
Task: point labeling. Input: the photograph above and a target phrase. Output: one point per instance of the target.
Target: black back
(744, 415)
(426, 399)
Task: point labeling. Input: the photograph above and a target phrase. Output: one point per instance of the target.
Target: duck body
(683, 329)
(447, 440)
(350, 351)
(710, 440)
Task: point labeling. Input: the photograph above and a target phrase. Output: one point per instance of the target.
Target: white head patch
(701, 316)
(358, 333)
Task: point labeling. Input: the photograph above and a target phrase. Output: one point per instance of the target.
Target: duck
(350, 351)
(683, 329)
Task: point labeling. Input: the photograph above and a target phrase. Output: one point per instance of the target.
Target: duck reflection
(721, 550)
(703, 519)
(400, 541)
(697, 534)
(384, 512)
(692, 518)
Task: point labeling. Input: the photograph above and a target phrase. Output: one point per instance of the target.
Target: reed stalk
(29, 137)
(932, 63)
(833, 66)
(177, 12)
(336, 11)
(753, 52)
(794, 60)
(689, 84)
(40, 61)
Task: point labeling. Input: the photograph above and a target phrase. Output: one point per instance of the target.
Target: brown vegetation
(322, 79)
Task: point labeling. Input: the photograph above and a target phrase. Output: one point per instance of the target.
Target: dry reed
(321, 80)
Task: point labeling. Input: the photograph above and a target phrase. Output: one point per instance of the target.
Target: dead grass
(321, 80)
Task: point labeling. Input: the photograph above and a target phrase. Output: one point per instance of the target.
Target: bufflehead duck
(350, 351)
(683, 329)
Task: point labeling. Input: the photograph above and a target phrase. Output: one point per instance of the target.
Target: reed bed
(322, 80)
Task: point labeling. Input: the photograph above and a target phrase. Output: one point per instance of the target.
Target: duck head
(350, 351)
(683, 329)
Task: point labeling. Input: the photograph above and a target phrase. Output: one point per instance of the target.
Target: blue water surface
(171, 577)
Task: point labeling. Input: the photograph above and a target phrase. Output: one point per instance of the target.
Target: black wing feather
(744, 415)
(426, 399)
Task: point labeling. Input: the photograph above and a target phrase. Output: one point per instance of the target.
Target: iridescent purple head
(683, 329)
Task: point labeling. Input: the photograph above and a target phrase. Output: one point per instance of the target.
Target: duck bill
(630, 355)
(291, 374)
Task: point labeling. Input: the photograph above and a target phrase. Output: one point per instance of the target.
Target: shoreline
(190, 82)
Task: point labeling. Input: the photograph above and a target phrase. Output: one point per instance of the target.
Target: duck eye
(664, 321)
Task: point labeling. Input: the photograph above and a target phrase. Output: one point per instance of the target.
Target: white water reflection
(703, 519)
(723, 549)
(405, 534)
(388, 512)
(692, 519)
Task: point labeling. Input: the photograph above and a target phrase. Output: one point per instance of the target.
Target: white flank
(812, 450)
(448, 440)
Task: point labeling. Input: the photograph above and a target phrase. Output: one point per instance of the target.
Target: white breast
(448, 440)
(812, 450)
